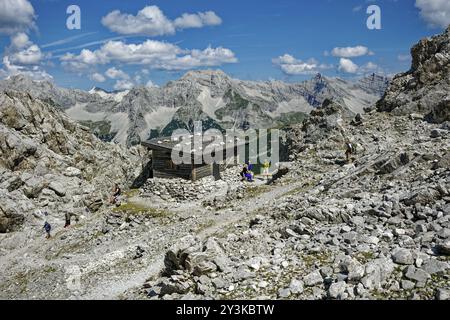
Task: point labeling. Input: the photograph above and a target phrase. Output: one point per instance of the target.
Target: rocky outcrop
(424, 88)
(47, 91)
(49, 162)
(325, 121)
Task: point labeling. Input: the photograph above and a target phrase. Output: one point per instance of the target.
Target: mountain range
(210, 96)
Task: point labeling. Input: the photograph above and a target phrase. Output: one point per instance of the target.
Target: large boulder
(196, 259)
(34, 186)
(13, 208)
(15, 150)
(444, 247)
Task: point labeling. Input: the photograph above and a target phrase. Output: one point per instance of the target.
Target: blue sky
(288, 40)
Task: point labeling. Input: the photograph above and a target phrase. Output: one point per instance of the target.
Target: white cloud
(151, 21)
(404, 57)
(20, 40)
(16, 16)
(197, 20)
(137, 78)
(292, 66)
(150, 84)
(114, 73)
(35, 72)
(209, 57)
(153, 54)
(97, 77)
(24, 57)
(123, 85)
(31, 55)
(285, 59)
(370, 67)
(351, 52)
(435, 12)
(347, 65)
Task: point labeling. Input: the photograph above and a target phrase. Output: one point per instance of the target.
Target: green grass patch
(50, 269)
(320, 258)
(131, 193)
(255, 191)
(290, 118)
(365, 257)
(21, 280)
(135, 209)
(205, 225)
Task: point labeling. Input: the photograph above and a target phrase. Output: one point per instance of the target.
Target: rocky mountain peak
(429, 48)
(23, 82)
(424, 88)
(205, 78)
(204, 74)
(97, 89)
(318, 77)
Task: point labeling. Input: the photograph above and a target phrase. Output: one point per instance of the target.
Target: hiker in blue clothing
(48, 229)
(246, 172)
(47, 226)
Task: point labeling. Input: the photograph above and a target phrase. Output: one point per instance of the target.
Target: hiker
(349, 150)
(249, 173)
(48, 229)
(266, 167)
(244, 171)
(246, 174)
(116, 194)
(249, 176)
(67, 216)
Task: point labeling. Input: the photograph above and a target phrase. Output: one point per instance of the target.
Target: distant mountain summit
(210, 96)
(116, 95)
